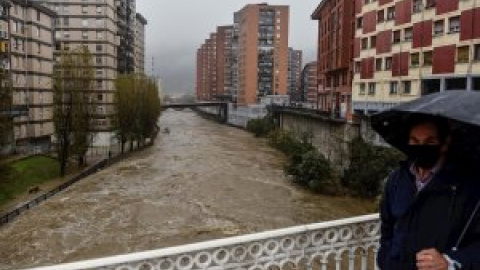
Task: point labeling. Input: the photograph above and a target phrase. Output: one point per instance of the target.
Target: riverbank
(35, 179)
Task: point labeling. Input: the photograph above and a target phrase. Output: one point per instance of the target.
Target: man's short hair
(441, 123)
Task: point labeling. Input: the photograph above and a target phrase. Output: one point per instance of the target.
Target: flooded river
(202, 181)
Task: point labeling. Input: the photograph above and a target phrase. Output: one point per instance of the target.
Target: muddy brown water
(202, 181)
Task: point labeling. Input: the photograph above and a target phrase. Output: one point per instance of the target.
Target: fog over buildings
(176, 28)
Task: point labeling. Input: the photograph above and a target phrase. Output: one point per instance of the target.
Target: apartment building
(206, 88)
(294, 74)
(309, 84)
(408, 48)
(335, 56)
(126, 17)
(95, 24)
(28, 37)
(262, 51)
(224, 58)
(140, 23)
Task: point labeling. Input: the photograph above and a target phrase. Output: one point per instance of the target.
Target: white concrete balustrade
(341, 244)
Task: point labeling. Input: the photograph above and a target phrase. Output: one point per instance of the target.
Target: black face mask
(425, 156)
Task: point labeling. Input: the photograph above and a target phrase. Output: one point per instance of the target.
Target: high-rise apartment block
(294, 73)
(407, 48)
(224, 58)
(26, 65)
(335, 54)
(250, 58)
(309, 84)
(263, 52)
(140, 23)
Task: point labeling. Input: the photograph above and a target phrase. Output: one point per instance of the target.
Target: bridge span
(221, 114)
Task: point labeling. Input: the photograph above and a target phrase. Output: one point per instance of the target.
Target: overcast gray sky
(176, 28)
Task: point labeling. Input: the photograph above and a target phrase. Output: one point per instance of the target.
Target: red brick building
(335, 56)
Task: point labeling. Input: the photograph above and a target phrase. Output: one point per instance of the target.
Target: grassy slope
(26, 174)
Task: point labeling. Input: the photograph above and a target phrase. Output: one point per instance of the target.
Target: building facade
(294, 74)
(140, 23)
(125, 22)
(95, 24)
(28, 37)
(224, 58)
(335, 56)
(408, 48)
(262, 51)
(309, 82)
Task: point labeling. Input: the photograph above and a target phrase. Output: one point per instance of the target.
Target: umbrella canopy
(461, 108)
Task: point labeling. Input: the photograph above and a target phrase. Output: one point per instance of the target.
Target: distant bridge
(221, 114)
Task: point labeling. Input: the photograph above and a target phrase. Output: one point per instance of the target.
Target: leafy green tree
(73, 108)
(137, 109)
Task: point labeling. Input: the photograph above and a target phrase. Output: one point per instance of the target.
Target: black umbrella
(461, 108)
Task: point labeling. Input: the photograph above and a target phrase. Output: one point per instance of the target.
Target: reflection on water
(201, 181)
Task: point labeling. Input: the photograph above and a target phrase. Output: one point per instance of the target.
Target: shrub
(261, 127)
(313, 170)
(369, 166)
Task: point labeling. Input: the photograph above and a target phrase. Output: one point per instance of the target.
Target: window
(454, 24)
(84, 22)
(431, 3)
(438, 28)
(38, 15)
(357, 67)
(390, 13)
(407, 87)
(415, 59)
(378, 64)
(362, 89)
(99, 9)
(396, 36)
(380, 16)
(373, 41)
(427, 58)
(364, 43)
(476, 55)
(359, 22)
(388, 63)
(66, 34)
(99, 48)
(39, 48)
(463, 54)
(84, 34)
(417, 6)
(408, 34)
(371, 89)
(393, 88)
(98, 60)
(84, 9)
(98, 22)
(99, 72)
(99, 96)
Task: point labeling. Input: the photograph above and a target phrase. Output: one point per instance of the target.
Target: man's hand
(431, 259)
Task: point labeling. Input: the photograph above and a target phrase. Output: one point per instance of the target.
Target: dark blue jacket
(432, 218)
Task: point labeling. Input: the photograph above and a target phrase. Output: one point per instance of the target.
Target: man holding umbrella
(430, 204)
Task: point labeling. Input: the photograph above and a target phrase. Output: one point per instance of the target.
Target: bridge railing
(341, 244)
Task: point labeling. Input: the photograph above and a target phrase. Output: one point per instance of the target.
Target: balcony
(341, 244)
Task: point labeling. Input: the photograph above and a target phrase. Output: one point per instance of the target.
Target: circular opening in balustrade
(287, 244)
(255, 250)
(203, 259)
(221, 256)
(239, 253)
(184, 262)
(165, 264)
